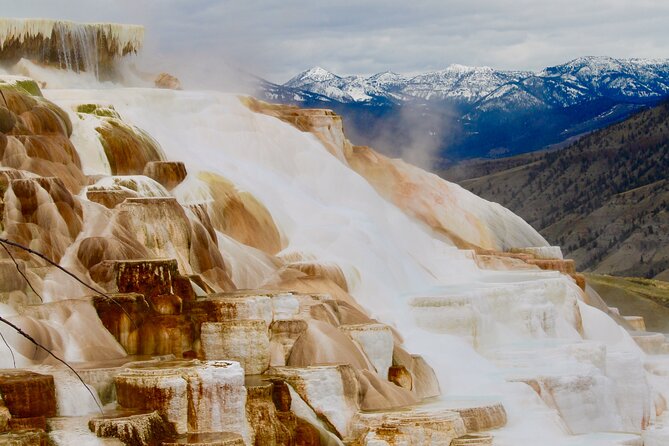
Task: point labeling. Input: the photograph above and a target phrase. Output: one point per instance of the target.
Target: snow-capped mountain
(460, 83)
(482, 111)
(564, 85)
(346, 89)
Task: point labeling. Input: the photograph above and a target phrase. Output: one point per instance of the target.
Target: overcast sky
(276, 39)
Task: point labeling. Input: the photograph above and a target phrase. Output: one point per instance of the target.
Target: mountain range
(480, 111)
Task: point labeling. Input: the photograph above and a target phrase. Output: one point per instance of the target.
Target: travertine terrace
(92, 47)
(252, 278)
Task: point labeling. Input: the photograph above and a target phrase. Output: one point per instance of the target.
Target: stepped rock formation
(250, 282)
(92, 47)
(445, 207)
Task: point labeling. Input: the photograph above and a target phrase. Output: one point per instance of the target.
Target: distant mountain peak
(604, 60)
(489, 112)
(458, 68)
(319, 71)
(314, 74)
(593, 59)
(607, 63)
(386, 75)
(581, 79)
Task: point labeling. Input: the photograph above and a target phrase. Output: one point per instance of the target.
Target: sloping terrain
(603, 198)
(631, 295)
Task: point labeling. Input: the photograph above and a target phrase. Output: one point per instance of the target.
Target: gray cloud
(204, 40)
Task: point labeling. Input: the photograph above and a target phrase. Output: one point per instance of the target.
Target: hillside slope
(603, 198)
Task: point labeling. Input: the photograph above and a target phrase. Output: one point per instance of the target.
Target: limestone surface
(136, 430)
(244, 341)
(332, 392)
(194, 396)
(410, 427)
(168, 173)
(377, 342)
(34, 437)
(27, 394)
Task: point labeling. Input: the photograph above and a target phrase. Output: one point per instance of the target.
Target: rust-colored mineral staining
(262, 414)
(148, 277)
(27, 394)
(33, 437)
(240, 215)
(91, 47)
(128, 149)
(35, 137)
(109, 198)
(168, 173)
(135, 429)
(400, 376)
(207, 439)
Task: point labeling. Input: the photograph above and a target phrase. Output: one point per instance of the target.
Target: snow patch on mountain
(485, 88)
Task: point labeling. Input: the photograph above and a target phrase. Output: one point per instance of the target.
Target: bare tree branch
(37, 344)
(18, 268)
(10, 349)
(4, 241)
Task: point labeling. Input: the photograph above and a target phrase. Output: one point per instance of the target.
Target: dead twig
(4, 241)
(11, 352)
(37, 344)
(18, 268)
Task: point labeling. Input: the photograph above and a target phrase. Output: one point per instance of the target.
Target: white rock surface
(376, 341)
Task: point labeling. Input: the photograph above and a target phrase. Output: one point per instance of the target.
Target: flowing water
(566, 372)
(71, 46)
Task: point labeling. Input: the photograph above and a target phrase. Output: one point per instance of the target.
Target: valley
(604, 197)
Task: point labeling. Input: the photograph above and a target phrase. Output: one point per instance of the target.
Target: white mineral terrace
(519, 355)
(118, 36)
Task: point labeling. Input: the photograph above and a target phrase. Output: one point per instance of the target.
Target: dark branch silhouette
(11, 352)
(18, 268)
(4, 241)
(37, 344)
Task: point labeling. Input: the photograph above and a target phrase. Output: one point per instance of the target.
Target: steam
(419, 134)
